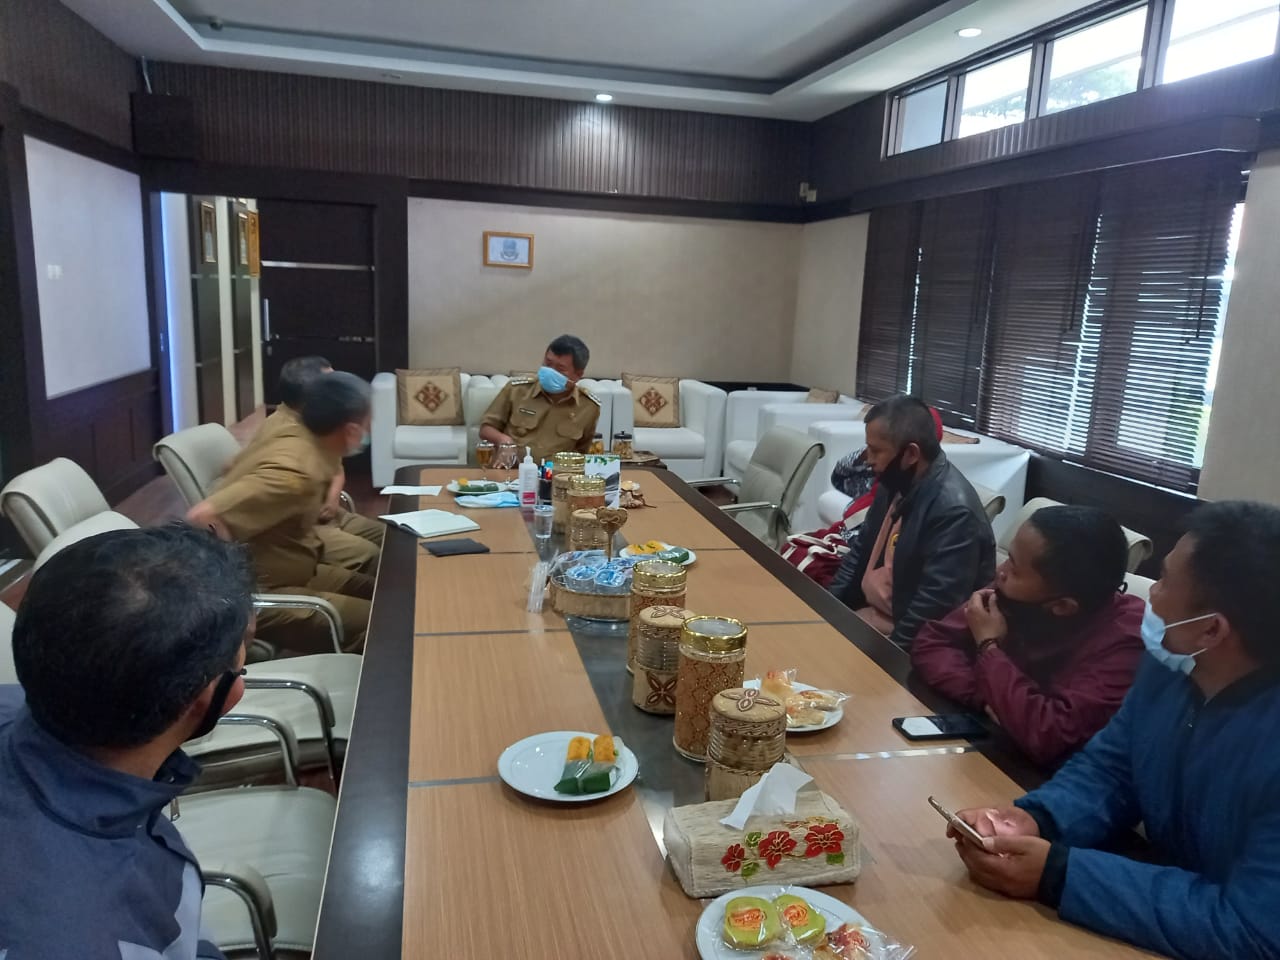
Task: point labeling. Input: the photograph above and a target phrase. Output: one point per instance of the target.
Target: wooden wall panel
(65, 69)
(315, 123)
(108, 429)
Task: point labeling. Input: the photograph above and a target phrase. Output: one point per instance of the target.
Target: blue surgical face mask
(552, 381)
(361, 447)
(1153, 629)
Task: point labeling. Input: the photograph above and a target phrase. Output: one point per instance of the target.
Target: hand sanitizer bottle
(528, 481)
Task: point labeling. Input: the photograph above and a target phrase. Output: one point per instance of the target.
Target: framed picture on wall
(208, 233)
(508, 250)
(242, 239)
(255, 252)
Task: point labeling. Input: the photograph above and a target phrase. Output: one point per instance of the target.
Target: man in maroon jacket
(1051, 648)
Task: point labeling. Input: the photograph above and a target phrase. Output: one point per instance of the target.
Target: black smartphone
(950, 726)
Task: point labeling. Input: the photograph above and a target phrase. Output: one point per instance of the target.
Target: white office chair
(262, 851)
(56, 498)
(316, 694)
(1140, 546)
(779, 468)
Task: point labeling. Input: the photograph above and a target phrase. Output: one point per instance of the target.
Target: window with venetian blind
(1076, 316)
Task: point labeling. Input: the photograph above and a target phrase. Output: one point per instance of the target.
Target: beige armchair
(57, 498)
(262, 853)
(315, 694)
(778, 470)
(1140, 546)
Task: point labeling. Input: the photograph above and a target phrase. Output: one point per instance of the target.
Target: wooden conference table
(434, 856)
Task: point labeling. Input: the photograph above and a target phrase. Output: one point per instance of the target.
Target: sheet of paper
(411, 491)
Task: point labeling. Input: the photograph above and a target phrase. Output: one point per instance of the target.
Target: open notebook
(430, 523)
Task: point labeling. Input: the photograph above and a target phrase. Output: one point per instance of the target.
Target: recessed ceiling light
(604, 97)
(969, 32)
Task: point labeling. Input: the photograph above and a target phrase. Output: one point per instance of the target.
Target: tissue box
(818, 844)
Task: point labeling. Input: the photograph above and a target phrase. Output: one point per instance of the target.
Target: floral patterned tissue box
(818, 844)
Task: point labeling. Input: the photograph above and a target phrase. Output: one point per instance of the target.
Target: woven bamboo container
(713, 651)
(653, 687)
(586, 532)
(748, 736)
(654, 583)
(589, 606)
(564, 467)
(585, 493)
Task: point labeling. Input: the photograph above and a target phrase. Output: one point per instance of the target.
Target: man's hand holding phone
(1012, 856)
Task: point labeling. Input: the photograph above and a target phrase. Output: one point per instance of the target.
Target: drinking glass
(507, 458)
(543, 514)
(484, 453)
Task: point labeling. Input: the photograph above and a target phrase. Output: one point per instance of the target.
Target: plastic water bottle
(528, 481)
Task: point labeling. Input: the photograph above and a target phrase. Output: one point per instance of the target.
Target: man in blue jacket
(1192, 755)
(126, 644)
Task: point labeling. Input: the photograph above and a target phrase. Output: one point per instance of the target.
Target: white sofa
(393, 445)
(693, 450)
(606, 391)
(999, 466)
(744, 420)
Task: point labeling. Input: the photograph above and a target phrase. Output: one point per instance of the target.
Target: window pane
(1096, 63)
(1208, 35)
(921, 116)
(996, 95)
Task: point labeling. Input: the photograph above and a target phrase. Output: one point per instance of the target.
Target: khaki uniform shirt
(524, 412)
(270, 499)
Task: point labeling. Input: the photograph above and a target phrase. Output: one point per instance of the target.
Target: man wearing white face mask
(270, 499)
(549, 413)
(1191, 755)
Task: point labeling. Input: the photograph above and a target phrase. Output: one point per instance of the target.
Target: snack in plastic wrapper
(750, 923)
(589, 766)
(852, 941)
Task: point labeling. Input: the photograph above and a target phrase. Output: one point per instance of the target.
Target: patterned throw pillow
(429, 398)
(656, 399)
(822, 396)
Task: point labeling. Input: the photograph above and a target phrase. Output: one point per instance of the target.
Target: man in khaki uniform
(350, 540)
(270, 500)
(549, 414)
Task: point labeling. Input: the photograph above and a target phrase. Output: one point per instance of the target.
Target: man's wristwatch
(987, 644)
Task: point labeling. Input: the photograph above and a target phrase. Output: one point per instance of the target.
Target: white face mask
(1153, 631)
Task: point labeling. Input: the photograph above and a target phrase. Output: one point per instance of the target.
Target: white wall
(660, 295)
(180, 309)
(833, 256)
(86, 220)
(1242, 458)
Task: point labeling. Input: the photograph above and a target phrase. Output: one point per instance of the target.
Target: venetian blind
(888, 297)
(951, 306)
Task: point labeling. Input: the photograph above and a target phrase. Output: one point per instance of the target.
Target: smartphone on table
(950, 726)
(960, 827)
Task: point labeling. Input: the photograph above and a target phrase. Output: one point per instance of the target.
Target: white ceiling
(797, 60)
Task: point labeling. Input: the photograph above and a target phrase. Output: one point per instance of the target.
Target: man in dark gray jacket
(926, 545)
(127, 644)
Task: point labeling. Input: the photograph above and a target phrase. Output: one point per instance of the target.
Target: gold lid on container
(749, 706)
(568, 461)
(658, 574)
(714, 634)
(666, 618)
(586, 486)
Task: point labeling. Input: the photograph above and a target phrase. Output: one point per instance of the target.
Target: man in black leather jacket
(938, 536)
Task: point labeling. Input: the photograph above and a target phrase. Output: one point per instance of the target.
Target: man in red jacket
(1051, 648)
